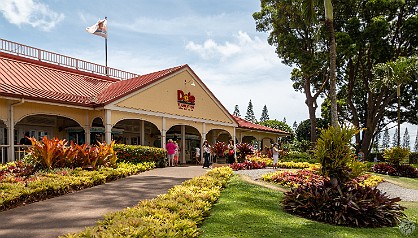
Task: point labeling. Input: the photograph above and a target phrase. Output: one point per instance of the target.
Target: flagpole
(106, 49)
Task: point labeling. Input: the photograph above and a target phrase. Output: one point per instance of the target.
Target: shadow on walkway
(72, 212)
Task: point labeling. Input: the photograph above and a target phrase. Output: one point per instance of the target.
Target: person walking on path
(231, 152)
(206, 154)
(171, 151)
(275, 155)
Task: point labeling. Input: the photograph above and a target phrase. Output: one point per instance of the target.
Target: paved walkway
(72, 212)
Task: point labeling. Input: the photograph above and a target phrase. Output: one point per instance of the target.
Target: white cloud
(38, 15)
(210, 49)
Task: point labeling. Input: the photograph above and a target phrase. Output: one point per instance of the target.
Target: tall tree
(406, 142)
(368, 33)
(264, 114)
(396, 73)
(329, 23)
(284, 119)
(395, 138)
(376, 142)
(386, 139)
(295, 126)
(300, 43)
(236, 111)
(250, 113)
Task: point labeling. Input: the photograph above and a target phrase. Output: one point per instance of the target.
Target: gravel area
(391, 190)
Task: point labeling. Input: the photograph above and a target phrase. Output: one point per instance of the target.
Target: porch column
(87, 134)
(10, 132)
(142, 133)
(87, 130)
(10, 135)
(163, 133)
(183, 144)
(108, 126)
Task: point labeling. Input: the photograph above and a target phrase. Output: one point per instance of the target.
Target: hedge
(138, 154)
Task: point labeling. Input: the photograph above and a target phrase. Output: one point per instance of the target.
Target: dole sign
(185, 101)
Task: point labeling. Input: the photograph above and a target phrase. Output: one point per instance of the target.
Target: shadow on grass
(248, 210)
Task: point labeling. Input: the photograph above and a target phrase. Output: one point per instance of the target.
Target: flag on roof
(100, 28)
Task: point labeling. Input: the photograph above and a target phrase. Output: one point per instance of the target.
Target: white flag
(100, 28)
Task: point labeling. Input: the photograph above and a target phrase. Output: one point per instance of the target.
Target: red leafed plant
(248, 165)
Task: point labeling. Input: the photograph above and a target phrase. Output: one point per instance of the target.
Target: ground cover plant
(248, 164)
(178, 213)
(20, 184)
(311, 177)
(250, 210)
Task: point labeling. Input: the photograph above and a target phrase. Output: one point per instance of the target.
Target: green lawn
(249, 210)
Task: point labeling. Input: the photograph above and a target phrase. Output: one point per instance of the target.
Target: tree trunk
(332, 73)
(329, 24)
(310, 102)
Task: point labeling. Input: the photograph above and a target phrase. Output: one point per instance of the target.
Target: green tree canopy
(264, 114)
(236, 111)
(304, 133)
(250, 113)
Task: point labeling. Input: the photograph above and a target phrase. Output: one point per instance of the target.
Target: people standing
(197, 155)
(231, 152)
(171, 150)
(176, 154)
(206, 154)
(275, 155)
(25, 140)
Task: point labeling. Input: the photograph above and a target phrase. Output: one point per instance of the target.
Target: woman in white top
(275, 155)
(206, 154)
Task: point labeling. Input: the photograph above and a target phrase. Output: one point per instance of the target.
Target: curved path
(72, 212)
(391, 190)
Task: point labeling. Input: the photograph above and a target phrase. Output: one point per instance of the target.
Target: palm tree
(329, 24)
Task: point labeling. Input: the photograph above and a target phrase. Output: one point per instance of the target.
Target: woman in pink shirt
(171, 150)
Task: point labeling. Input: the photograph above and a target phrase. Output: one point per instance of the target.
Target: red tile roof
(119, 89)
(31, 79)
(249, 125)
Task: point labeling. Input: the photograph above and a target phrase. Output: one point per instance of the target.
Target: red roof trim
(249, 125)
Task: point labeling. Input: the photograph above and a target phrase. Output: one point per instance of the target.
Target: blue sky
(217, 38)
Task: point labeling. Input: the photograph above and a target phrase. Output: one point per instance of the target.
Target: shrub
(46, 184)
(413, 158)
(219, 149)
(139, 154)
(297, 156)
(333, 150)
(54, 153)
(261, 159)
(294, 179)
(243, 150)
(353, 206)
(396, 155)
(404, 170)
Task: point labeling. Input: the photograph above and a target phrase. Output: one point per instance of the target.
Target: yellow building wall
(162, 98)
(29, 108)
(4, 110)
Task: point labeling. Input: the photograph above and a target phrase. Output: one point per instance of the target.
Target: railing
(3, 153)
(19, 150)
(62, 60)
